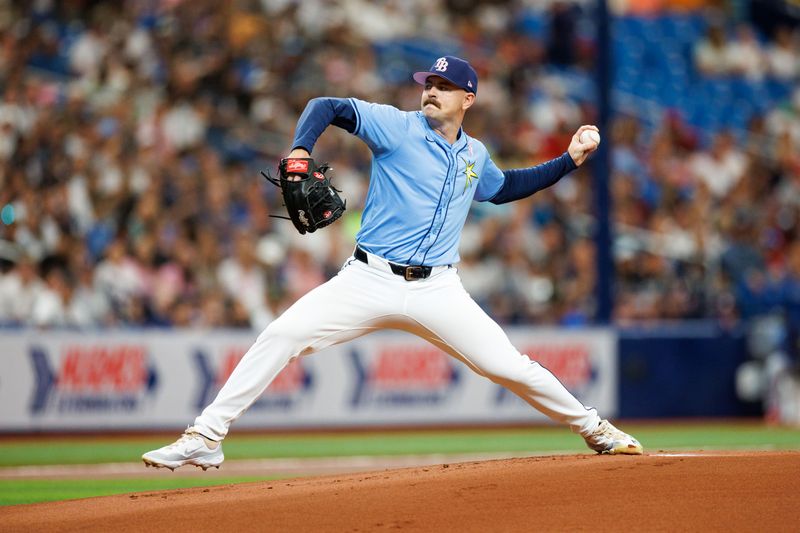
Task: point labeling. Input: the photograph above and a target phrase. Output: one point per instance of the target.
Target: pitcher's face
(442, 100)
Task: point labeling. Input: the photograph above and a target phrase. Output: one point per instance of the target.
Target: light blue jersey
(421, 187)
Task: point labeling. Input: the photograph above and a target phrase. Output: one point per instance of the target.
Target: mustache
(429, 101)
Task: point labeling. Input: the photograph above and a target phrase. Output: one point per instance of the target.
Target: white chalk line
(281, 467)
(289, 467)
(691, 455)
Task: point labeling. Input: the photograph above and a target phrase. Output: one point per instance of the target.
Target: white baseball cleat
(191, 449)
(610, 440)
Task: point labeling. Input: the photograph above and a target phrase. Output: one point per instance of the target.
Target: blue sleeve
(382, 127)
(318, 115)
(491, 180)
(523, 182)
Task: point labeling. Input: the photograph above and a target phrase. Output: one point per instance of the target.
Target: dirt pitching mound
(655, 492)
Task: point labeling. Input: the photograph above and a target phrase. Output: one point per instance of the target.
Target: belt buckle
(412, 273)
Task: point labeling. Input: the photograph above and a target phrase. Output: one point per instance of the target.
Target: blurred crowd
(132, 134)
(741, 52)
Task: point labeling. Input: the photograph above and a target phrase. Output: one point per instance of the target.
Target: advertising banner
(162, 379)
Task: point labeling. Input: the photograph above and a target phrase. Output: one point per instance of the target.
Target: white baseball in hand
(588, 136)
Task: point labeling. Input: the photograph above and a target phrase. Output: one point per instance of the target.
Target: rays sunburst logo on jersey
(469, 173)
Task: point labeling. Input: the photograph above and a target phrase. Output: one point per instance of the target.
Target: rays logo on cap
(455, 70)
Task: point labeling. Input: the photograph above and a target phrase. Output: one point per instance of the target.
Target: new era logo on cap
(453, 69)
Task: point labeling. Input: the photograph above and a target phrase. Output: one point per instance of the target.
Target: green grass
(717, 436)
(15, 492)
(86, 450)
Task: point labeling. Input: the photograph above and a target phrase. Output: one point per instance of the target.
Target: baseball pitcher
(426, 171)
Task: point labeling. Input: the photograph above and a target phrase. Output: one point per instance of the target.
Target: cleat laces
(187, 436)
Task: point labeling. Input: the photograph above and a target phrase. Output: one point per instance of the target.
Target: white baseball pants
(365, 298)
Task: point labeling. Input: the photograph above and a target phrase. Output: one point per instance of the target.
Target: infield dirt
(699, 491)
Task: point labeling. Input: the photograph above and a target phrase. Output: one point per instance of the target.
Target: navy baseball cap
(453, 69)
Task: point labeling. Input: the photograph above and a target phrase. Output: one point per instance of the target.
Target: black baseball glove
(312, 202)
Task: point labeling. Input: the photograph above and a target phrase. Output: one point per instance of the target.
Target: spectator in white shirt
(711, 54)
(744, 55)
(244, 280)
(783, 56)
(19, 290)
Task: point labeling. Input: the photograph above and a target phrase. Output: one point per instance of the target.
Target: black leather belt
(409, 272)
